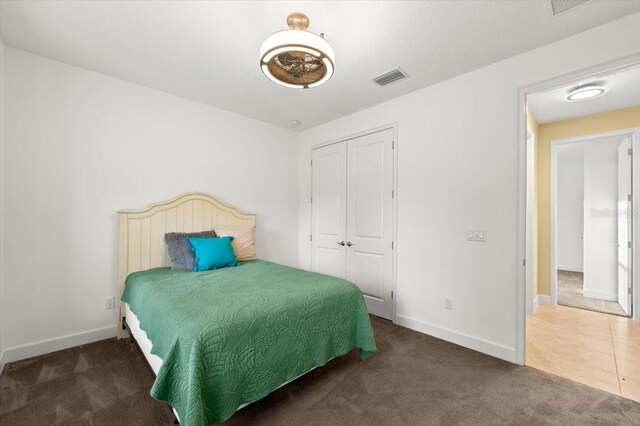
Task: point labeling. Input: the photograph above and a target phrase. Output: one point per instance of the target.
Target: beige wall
(532, 124)
(590, 124)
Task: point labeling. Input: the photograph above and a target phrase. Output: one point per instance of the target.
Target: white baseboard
(543, 299)
(600, 295)
(535, 304)
(480, 345)
(42, 347)
(569, 268)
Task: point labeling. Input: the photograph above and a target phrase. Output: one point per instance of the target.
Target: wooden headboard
(141, 242)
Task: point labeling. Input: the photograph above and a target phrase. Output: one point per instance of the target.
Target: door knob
(349, 244)
(341, 243)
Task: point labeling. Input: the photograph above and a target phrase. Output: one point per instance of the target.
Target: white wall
(458, 159)
(600, 219)
(79, 146)
(570, 206)
(1, 187)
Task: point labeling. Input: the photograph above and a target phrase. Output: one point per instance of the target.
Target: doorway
(579, 318)
(591, 222)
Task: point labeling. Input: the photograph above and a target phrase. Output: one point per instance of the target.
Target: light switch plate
(478, 235)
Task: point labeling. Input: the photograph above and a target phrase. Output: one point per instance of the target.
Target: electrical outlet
(478, 235)
(110, 302)
(448, 303)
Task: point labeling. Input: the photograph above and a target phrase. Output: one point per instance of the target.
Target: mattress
(140, 336)
(226, 338)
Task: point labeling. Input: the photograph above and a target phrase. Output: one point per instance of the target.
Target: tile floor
(570, 294)
(593, 348)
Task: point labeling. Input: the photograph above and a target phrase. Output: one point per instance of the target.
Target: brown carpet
(413, 380)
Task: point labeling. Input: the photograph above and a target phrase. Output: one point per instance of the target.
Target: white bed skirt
(140, 336)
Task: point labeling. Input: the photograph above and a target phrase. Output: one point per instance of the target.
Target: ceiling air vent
(561, 6)
(390, 77)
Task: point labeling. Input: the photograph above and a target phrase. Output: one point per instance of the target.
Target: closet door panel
(368, 272)
(369, 219)
(328, 210)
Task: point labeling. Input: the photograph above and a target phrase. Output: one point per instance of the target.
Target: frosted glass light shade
(297, 58)
(586, 92)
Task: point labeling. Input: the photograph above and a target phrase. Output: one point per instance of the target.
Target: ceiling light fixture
(296, 57)
(583, 93)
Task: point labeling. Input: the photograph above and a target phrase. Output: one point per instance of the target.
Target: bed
(218, 340)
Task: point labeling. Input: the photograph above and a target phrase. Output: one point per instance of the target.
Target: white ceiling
(208, 51)
(624, 92)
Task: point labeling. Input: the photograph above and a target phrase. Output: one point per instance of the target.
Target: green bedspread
(231, 336)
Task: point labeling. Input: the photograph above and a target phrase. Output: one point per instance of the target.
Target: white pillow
(244, 240)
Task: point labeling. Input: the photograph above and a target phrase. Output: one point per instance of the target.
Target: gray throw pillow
(180, 251)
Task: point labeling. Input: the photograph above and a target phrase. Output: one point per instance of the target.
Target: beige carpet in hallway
(570, 285)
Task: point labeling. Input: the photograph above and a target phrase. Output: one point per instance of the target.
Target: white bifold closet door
(352, 215)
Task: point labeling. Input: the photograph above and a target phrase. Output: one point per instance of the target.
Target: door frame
(394, 209)
(634, 132)
(531, 304)
(596, 71)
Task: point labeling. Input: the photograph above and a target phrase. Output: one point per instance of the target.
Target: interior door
(328, 209)
(624, 226)
(370, 219)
